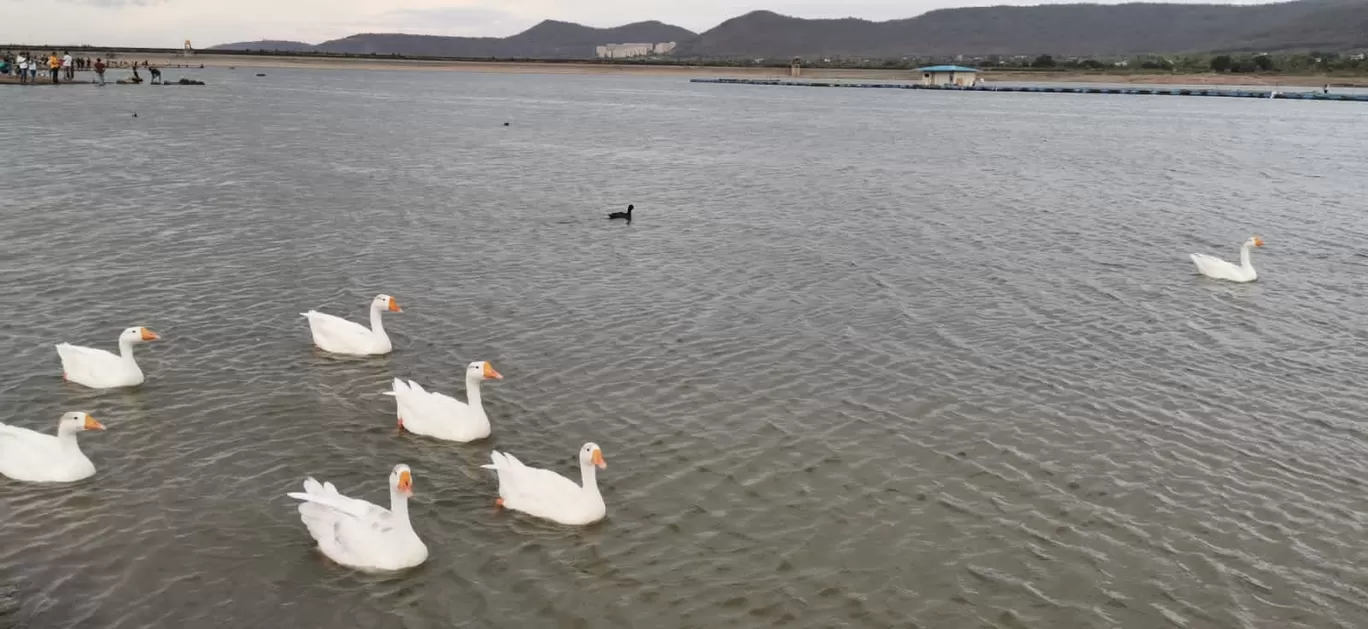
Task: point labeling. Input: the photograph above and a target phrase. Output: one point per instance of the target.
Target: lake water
(864, 358)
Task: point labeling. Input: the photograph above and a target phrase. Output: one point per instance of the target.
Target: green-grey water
(862, 359)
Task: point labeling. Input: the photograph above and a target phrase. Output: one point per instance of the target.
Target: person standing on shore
(55, 67)
(99, 70)
(68, 66)
(22, 62)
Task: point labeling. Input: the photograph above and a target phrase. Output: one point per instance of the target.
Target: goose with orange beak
(340, 336)
(361, 535)
(30, 456)
(99, 369)
(1219, 269)
(441, 416)
(548, 495)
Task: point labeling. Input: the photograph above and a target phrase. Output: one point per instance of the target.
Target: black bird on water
(627, 215)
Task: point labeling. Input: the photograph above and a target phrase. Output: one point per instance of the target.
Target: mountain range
(550, 39)
(1059, 29)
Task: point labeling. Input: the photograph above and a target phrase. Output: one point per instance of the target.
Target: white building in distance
(958, 76)
(623, 51)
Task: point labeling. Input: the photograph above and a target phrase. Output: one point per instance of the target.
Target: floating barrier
(1146, 91)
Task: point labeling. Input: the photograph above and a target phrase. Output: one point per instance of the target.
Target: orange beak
(91, 424)
(490, 374)
(148, 335)
(1258, 242)
(597, 458)
(406, 483)
(394, 305)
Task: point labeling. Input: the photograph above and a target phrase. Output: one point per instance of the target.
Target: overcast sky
(168, 23)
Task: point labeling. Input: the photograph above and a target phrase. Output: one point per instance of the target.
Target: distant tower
(189, 51)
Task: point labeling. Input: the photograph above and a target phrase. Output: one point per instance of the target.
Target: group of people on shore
(26, 66)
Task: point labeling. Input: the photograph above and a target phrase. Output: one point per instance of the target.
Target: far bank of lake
(211, 60)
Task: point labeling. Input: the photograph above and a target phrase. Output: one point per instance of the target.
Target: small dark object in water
(505, 124)
(135, 114)
(261, 74)
(627, 215)
(189, 82)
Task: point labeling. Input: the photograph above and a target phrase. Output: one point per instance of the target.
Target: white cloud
(112, 3)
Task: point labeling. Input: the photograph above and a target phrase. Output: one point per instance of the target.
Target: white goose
(99, 369)
(34, 457)
(1217, 268)
(441, 416)
(546, 494)
(340, 336)
(361, 535)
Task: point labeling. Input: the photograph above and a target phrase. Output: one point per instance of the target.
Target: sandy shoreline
(512, 67)
(210, 60)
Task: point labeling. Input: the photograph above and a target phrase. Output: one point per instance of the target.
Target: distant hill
(564, 39)
(1335, 26)
(1062, 29)
(550, 39)
(266, 44)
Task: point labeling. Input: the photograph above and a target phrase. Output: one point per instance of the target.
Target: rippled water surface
(863, 359)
